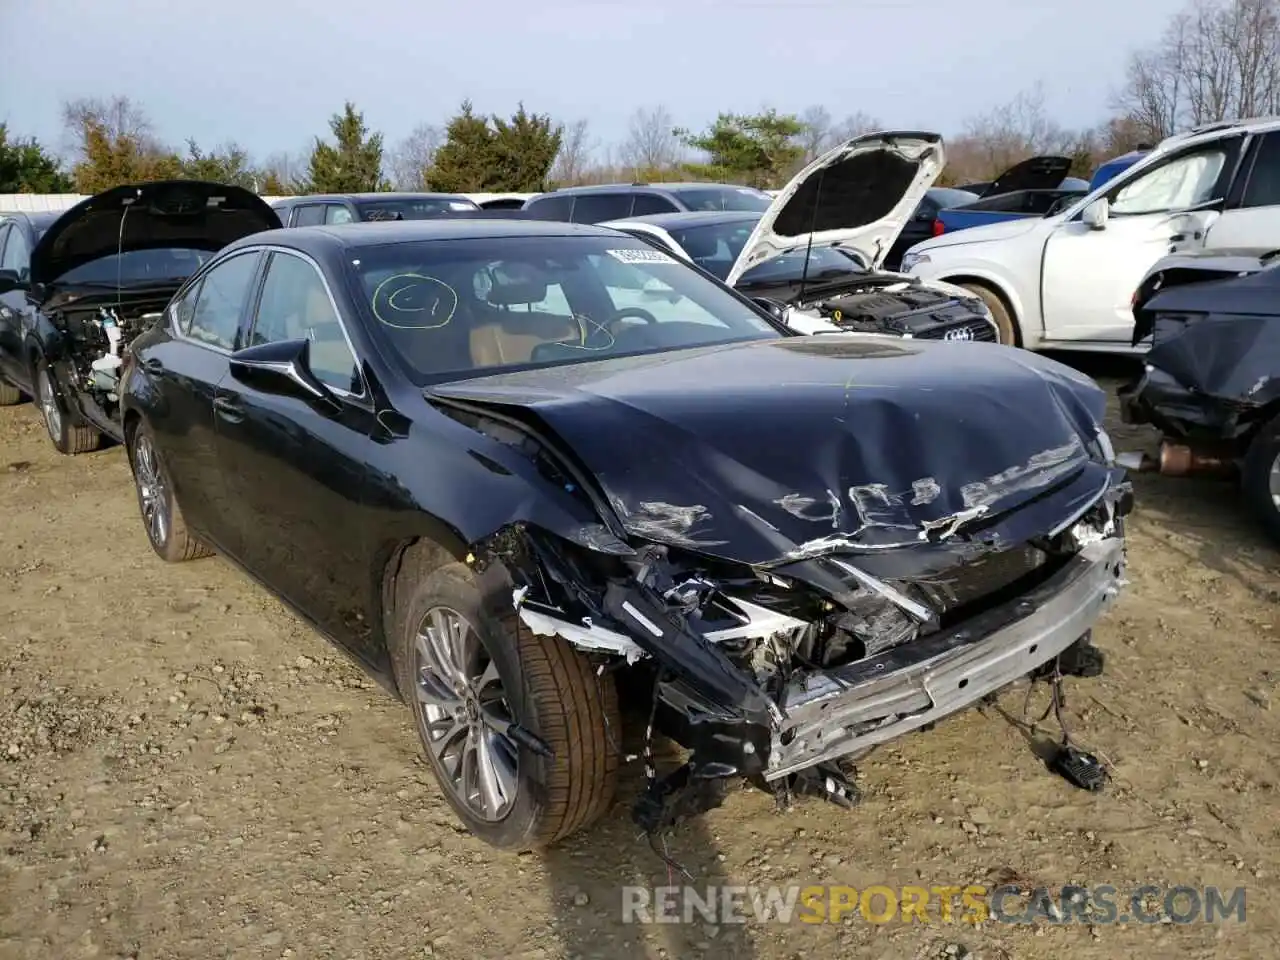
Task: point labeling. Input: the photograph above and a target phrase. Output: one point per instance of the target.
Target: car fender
(998, 282)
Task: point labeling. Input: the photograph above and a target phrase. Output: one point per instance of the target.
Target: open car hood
(1034, 173)
(857, 196)
(186, 214)
(873, 442)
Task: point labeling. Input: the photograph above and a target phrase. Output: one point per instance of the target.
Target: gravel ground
(186, 771)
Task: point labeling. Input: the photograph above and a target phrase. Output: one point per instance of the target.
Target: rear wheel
(9, 394)
(1260, 477)
(68, 437)
(999, 312)
(469, 670)
(161, 515)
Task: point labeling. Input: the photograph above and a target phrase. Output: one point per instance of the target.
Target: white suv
(1067, 281)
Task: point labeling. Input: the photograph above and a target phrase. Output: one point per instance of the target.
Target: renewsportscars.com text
(972, 904)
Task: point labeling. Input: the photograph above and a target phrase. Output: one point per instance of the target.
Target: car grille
(983, 579)
(968, 330)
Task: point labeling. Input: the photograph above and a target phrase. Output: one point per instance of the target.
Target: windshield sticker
(412, 301)
(641, 256)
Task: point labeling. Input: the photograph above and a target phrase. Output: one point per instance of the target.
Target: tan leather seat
(503, 338)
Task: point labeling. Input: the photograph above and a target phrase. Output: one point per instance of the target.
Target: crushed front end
(774, 670)
(1211, 378)
(781, 619)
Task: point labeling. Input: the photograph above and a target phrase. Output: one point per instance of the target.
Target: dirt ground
(186, 771)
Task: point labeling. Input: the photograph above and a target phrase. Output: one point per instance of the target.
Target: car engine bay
(898, 307)
(96, 340)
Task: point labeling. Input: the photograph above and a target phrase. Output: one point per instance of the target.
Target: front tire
(161, 516)
(999, 312)
(9, 394)
(467, 668)
(1260, 478)
(68, 437)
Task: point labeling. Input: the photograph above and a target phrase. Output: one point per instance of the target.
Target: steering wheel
(629, 313)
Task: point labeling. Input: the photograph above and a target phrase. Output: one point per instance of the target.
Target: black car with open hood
(100, 274)
(1034, 173)
(1211, 378)
(518, 467)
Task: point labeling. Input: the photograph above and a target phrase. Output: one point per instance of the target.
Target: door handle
(152, 365)
(228, 409)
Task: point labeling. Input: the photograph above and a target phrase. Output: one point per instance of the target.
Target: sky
(268, 74)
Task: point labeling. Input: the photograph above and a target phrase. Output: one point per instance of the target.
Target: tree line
(1215, 60)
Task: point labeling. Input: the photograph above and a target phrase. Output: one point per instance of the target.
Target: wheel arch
(1000, 290)
(404, 561)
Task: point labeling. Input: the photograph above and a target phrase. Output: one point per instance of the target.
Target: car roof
(39, 221)
(310, 197)
(676, 187)
(349, 236)
(693, 218)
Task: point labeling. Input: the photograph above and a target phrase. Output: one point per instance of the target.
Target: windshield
(716, 246)
(134, 267)
(724, 198)
(948, 197)
(450, 309)
(425, 208)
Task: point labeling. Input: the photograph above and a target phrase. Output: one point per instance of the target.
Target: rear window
(723, 198)
(599, 207)
(550, 208)
(416, 209)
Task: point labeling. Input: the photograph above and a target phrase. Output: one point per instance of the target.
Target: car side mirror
(10, 280)
(1094, 216)
(772, 307)
(284, 368)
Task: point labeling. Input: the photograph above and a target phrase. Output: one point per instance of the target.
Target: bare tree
(651, 143)
(575, 154)
(117, 119)
(1011, 132)
(1217, 60)
(283, 170)
(853, 125)
(817, 132)
(412, 157)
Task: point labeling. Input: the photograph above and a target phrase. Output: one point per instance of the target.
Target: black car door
(182, 366)
(15, 255)
(296, 466)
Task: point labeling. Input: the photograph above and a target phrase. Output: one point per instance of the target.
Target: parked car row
(516, 467)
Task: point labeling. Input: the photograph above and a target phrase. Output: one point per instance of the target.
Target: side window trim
(271, 252)
(196, 284)
(5, 230)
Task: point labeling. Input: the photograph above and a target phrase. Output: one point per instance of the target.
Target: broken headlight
(1106, 452)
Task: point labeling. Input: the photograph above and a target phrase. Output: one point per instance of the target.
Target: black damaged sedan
(469, 454)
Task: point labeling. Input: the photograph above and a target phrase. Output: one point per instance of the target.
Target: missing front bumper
(832, 714)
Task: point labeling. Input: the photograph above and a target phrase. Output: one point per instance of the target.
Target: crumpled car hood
(773, 450)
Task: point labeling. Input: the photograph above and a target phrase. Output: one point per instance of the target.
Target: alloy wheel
(463, 712)
(49, 405)
(152, 493)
